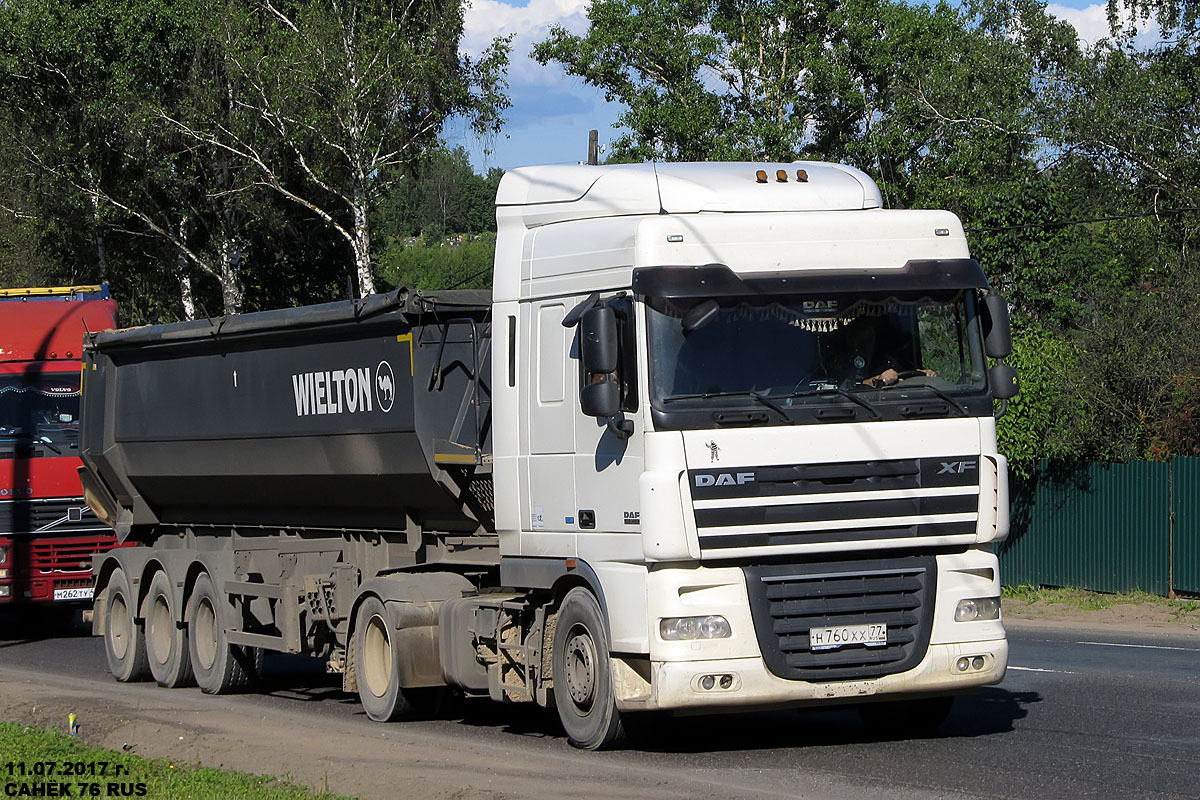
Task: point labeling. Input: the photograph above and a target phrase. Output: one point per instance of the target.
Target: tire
(583, 685)
(377, 669)
(900, 718)
(124, 640)
(218, 666)
(166, 637)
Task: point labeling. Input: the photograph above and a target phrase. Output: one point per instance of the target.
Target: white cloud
(484, 20)
(1091, 24)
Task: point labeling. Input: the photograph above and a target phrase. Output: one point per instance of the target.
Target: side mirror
(1004, 381)
(700, 315)
(997, 334)
(601, 399)
(598, 340)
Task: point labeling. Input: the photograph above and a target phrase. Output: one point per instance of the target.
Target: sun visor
(718, 280)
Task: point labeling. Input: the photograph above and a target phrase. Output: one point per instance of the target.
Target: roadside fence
(1106, 527)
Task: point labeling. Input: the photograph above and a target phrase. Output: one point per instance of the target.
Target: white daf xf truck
(722, 438)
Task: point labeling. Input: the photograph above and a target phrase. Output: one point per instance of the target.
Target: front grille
(48, 516)
(787, 601)
(799, 506)
(59, 555)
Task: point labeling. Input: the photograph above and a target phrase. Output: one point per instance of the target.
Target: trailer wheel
(583, 685)
(219, 667)
(124, 641)
(166, 638)
(377, 669)
(907, 717)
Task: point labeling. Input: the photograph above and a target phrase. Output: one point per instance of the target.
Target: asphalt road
(1080, 714)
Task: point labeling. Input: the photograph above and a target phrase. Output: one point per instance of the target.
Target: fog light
(675, 629)
(5, 591)
(3, 574)
(707, 681)
(726, 681)
(977, 608)
(962, 664)
(977, 662)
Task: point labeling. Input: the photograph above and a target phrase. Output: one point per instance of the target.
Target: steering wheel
(910, 373)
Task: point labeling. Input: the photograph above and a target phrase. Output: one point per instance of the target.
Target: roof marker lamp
(761, 176)
(781, 175)
(802, 175)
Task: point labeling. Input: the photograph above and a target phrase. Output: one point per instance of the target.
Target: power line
(1047, 225)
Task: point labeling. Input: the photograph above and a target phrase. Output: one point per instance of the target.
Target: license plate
(874, 635)
(74, 594)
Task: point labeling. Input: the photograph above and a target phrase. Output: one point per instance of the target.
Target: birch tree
(342, 96)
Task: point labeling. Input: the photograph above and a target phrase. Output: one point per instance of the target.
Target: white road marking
(1143, 646)
(1043, 669)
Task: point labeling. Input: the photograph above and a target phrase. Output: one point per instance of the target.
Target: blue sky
(552, 113)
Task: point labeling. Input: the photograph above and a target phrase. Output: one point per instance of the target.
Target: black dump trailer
(277, 471)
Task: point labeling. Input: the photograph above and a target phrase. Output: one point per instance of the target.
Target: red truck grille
(59, 555)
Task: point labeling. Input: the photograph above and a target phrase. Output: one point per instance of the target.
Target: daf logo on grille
(957, 467)
(725, 479)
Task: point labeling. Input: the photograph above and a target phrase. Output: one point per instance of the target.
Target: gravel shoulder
(1143, 617)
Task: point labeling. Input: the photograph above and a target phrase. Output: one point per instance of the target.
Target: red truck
(48, 535)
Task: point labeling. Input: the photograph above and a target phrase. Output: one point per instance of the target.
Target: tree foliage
(1069, 166)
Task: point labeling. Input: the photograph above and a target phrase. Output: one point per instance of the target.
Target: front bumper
(678, 686)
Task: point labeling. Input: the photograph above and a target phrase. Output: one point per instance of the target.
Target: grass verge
(42, 763)
(1096, 601)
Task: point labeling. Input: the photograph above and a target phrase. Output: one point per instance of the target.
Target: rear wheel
(583, 685)
(219, 667)
(124, 643)
(377, 669)
(907, 717)
(166, 637)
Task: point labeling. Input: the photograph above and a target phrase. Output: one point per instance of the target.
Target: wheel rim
(205, 637)
(377, 656)
(120, 624)
(581, 668)
(160, 625)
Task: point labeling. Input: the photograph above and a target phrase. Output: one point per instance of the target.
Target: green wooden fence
(1106, 527)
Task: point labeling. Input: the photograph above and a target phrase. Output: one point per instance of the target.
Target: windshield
(43, 407)
(800, 350)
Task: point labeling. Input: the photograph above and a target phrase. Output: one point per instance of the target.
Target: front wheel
(583, 684)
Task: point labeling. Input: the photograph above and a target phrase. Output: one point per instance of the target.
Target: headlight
(675, 629)
(3, 553)
(977, 608)
(3, 574)
(5, 591)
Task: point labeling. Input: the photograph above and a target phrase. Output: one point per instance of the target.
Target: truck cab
(756, 408)
(48, 535)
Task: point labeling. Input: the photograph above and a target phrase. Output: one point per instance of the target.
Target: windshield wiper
(841, 392)
(771, 404)
(953, 403)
